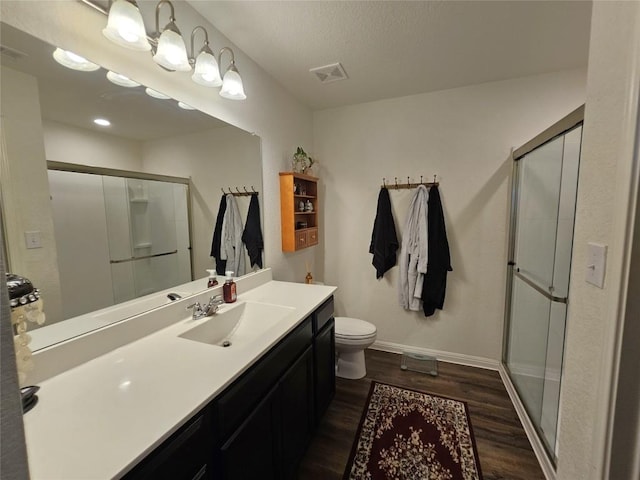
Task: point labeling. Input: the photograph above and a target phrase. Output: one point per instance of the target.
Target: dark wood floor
(503, 447)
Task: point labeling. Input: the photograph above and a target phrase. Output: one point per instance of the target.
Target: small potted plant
(301, 161)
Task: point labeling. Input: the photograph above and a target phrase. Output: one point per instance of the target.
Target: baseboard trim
(449, 357)
(536, 444)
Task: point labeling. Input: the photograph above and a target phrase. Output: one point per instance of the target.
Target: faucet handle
(214, 304)
(216, 300)
(197, 309)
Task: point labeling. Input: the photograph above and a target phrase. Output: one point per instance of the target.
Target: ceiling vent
(11, 53)
(330, 73)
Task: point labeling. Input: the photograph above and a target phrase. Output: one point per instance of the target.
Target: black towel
(384, 241)
(435, 280)
(252, 235)
(217, 237)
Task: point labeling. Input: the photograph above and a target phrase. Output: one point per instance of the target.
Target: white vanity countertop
(101, 418)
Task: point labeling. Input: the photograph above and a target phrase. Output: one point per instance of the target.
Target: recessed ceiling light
(103, 122)
(185, 106)
(121, 80)
(73, 61)
(155, 94)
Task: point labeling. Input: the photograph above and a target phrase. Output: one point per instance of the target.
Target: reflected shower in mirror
(117, 237)
(48, 115)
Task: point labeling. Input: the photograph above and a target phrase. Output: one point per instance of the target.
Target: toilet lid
(353, 327)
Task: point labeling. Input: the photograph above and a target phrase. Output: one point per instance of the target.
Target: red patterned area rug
(410, 435)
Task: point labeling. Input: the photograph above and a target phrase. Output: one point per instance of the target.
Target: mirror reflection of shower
(118, 238)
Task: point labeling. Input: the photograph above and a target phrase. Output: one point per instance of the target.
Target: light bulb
(172, 52)
(125, 26)
(74, 61)
(206, 72)
(156, 94)
(232, 88)
(121, 80)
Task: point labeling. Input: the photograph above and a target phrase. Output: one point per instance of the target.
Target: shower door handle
(539, 289)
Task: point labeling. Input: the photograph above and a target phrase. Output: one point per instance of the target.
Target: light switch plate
(32, 239)
(596, 263)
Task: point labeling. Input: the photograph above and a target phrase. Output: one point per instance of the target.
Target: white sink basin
(238, 324)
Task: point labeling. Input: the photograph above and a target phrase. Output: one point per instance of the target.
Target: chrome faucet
(208, 310)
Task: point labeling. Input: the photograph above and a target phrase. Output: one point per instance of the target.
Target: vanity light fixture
(171, 52)
(231, 82)
(206, 71)
(103, 122)
(75, 62)
(156, 94)
(125, 26)
(121, 80)
(185, 106)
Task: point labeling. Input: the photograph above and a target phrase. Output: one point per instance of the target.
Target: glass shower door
(546, 192)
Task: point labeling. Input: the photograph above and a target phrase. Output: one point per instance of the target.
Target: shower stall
(541, 238)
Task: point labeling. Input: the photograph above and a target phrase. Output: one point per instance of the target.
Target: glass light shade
(73, 61)
(206, 72)
(156, 94)
(121, 80)
(172, 52)
(232, 85)
(185, 106)
(125, 26)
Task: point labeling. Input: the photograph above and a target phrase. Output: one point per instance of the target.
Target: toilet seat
(354, 329)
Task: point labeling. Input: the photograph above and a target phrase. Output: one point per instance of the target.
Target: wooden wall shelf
(299, 228)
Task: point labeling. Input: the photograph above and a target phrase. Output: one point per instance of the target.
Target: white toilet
(352, 337)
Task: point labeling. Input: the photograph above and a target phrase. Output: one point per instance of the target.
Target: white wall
(464, 136)
(25, 188)
(603, 207)
(218, 158)
(269, 111)
(69, 144)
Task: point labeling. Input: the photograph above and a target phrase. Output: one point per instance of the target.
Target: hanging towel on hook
(384, 241)
(414, 252)
(217, 237)
(252, 235)
(231, 242)
(435, 281)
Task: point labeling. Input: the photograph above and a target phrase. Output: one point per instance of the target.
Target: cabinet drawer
(301, 239)
(322, 315)
(312, 237)
(235, 404)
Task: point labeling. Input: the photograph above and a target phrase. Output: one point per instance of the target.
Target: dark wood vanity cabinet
(185, 455)
(259, 426)
(324, 351)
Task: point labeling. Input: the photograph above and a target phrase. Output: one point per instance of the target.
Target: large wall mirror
(142, 193)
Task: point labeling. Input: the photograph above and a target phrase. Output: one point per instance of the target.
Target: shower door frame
(560, 128)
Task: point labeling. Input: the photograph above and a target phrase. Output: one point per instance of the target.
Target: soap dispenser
(229, 288)
(213, 279)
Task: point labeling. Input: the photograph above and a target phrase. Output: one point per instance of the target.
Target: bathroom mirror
(47, 114)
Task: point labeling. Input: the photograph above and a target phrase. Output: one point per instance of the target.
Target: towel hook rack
(407, 186)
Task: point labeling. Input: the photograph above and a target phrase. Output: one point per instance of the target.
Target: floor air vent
(330, 73)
